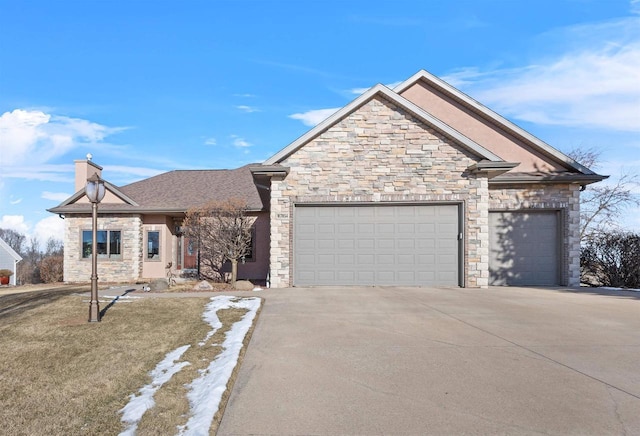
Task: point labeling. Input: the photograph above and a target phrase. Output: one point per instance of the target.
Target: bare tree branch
(601, 205)
(222, 232)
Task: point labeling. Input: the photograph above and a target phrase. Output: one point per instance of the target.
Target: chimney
(84, 170)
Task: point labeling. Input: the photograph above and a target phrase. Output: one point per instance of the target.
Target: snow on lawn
(205, 392)
(138, 405)
(619, 289)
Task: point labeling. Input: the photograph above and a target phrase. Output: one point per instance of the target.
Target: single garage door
(524, 248)
(411, 245)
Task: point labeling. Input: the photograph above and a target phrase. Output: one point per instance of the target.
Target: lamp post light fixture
(95, 193)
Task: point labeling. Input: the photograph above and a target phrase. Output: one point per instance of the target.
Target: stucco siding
(480, 130)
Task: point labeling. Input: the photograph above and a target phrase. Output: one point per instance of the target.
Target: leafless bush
(612, 259)
(51, 269)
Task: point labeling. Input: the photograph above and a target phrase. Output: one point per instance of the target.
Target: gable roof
(494, 118)
(10, 250)
(175, 192)
(380, 90)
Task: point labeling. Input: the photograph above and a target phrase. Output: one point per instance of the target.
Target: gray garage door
(412, 245)
(524, 248)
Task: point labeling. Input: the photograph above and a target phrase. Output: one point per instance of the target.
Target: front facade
(139, 233)
(415, 186)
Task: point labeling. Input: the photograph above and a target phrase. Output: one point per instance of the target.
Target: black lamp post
(95, 193)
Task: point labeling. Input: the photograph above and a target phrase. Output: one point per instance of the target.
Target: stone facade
(380, 153)
(128, 267)
(562, 198)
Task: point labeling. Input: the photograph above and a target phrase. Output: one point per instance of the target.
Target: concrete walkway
(415, 361)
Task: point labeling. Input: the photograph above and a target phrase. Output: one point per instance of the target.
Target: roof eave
(579, 179)
(492, 169)
(140, 211)
(269, 170)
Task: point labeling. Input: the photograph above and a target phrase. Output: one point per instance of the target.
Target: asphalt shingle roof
(180, 190)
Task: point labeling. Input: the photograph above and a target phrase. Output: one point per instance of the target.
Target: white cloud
(240, 142)
(56, 196)
(44, 172)
(14, 222)
(248, 109)
(16, 201)
(594, 81)
(51, 227)
(313, 117)
(210, 141)
(29, 137)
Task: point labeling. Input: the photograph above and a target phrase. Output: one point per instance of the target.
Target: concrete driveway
(368, 361)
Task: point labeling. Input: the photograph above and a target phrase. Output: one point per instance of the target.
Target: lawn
(62, 375)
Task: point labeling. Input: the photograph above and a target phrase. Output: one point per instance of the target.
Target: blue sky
(152, 86)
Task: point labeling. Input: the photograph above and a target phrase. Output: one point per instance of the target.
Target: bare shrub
(613, 259)
(51, 269)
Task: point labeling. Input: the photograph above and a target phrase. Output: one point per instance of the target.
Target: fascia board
(584, 179)
(395, 98)
(493, 116)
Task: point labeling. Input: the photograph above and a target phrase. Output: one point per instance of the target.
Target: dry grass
(62, 375)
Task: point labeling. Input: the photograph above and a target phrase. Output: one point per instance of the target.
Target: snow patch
(619, 289)
(162, 373)
(205, 392)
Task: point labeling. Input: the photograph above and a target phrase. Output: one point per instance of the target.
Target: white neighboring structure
(9, 260)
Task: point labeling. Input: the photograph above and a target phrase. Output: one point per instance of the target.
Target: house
(9, 260)
(416, 185)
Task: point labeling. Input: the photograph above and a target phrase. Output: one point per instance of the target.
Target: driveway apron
(366, 361)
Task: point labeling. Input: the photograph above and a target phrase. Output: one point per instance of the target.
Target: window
(153, 245)
(109, 243)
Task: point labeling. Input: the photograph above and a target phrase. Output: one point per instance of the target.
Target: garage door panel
(366, 259)
(376, 245)
(326, 244)
(385, 243)
(344, 244)
(366, 243)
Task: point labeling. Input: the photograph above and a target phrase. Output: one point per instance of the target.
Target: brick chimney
(84, 170)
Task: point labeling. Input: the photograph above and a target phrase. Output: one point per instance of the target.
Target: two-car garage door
(411, 245)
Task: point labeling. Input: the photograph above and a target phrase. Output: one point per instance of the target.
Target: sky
(153, 86)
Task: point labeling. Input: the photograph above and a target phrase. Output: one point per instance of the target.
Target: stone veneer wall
(564, 198)
(380, 153)
(129, 267)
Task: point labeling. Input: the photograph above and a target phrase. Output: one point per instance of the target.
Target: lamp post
(95, 193)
